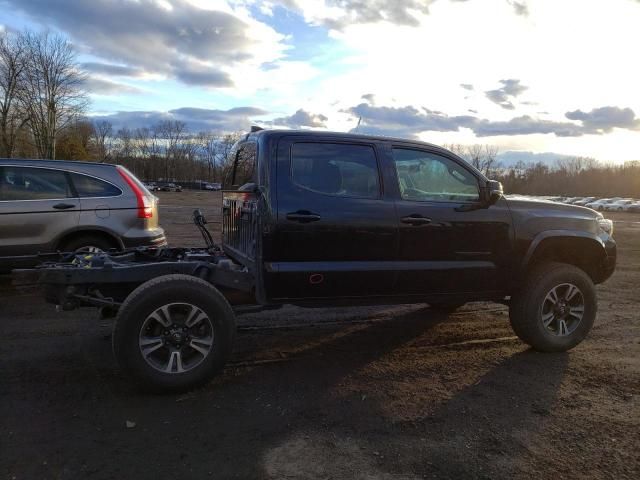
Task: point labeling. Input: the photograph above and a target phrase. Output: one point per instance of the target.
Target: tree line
(165, 151)
(570, 176)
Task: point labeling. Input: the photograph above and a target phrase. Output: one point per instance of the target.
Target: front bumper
(608, 264)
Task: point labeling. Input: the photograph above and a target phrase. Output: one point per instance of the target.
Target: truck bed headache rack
(239, 227)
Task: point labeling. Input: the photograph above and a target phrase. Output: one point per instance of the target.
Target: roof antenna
(355, 130)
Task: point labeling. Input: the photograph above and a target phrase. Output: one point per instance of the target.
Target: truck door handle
(303, 216)
(63, 206)
(416, 220)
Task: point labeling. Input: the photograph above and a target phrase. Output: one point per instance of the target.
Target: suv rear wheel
(88, 243)
(555, 309)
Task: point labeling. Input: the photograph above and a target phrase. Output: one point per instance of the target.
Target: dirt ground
(356, 393)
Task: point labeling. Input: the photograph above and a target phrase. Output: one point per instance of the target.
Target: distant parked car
(634, 207)
(601, 204)
(620, 205)
(583, 201)
(152, 186)
(49, 205)
(170, 187)
(213, 186)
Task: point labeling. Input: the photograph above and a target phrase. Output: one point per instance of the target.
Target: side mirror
(494, 192)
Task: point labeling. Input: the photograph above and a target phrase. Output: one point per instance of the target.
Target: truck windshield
(242, 170)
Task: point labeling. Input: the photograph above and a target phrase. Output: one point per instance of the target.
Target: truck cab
(323, 217)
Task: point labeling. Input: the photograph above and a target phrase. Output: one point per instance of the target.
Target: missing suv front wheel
(555, 308)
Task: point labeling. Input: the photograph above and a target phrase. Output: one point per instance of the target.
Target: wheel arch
(581, 249)
(93, 231)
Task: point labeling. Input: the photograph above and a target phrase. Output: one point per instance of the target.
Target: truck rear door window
(336, 169)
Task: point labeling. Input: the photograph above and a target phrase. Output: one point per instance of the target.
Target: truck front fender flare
(559, 234)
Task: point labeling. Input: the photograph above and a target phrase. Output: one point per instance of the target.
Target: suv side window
(31, 183)
(425, 176)
(336, 169)
(92, 187)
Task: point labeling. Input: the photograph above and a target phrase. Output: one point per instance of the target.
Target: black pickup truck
(319, 219)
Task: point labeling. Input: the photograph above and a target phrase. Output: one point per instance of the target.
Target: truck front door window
(425, 176)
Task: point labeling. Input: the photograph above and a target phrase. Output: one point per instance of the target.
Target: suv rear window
(92, 187)
(346, 170)
(31, 183)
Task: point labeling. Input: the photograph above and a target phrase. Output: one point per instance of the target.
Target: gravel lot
(384, 392)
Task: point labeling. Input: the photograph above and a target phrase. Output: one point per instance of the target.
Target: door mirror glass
(494, 191)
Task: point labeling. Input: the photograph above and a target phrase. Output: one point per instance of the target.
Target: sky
(559, 76)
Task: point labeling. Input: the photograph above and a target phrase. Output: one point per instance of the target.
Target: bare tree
(207, 144)
(52, 92)
(101, 135)
(12, 116)
(490, 161)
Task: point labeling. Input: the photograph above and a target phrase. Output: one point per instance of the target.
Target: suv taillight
(144, 199)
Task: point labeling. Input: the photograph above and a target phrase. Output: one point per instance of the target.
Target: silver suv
(51, 205)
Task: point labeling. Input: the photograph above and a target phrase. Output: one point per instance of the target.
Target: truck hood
(552, 208)
(532, 217)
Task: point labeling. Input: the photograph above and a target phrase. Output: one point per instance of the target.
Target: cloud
(406, 120)
(409, 121)
(369, 97)
(197, 119)
(466, 86)
(338, 14)
(504, 95)
(604, 119)
(111, 69)
(525, 125)
(107, 87)
(193, 73)
(173, 38)
(300, 119)
(520, 8)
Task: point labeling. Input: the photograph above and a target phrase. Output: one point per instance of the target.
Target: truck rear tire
(555, 308)
(173, 333)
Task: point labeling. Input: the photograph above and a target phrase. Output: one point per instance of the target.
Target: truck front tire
(173, 333)
(555, 308)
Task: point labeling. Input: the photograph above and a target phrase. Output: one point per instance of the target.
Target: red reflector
(145, 206)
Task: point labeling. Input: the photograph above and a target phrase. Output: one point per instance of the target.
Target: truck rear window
(244, 164)
(336, 169)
